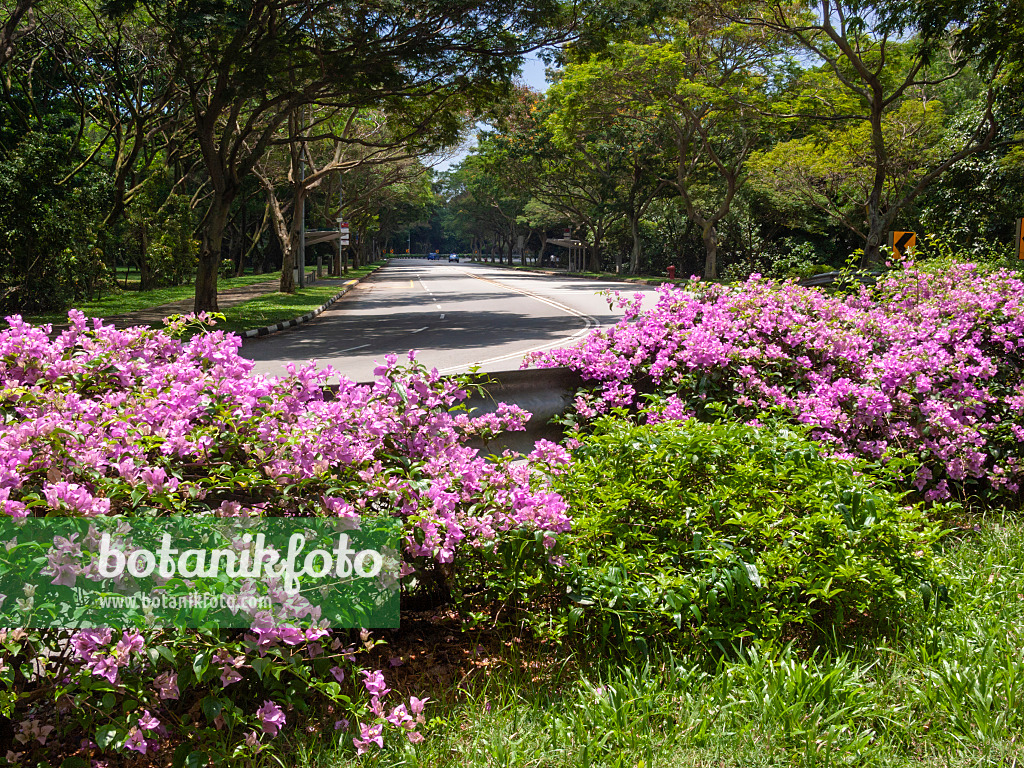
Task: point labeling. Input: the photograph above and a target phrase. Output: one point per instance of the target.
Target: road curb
(546, 273)
(285, 324)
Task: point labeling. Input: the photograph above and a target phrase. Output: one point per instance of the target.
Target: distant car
(432, 256)
(454, 257)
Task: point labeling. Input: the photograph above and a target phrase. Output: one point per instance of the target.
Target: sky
(533, 76)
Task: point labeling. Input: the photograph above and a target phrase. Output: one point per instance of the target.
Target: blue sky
(533, 76)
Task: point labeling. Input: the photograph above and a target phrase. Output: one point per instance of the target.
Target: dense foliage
(101, 421)
(715, 537)
(710, 134)
(924, 368)
(114, 114)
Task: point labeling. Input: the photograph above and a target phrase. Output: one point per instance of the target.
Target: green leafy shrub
(712, 535)
(48, 252)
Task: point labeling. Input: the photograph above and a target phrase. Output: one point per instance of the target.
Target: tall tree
(699, 84)
(875, 64)
(326, 143)
(244, 66)
(834, 171)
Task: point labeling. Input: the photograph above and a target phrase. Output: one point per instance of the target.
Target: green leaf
(200, 665)
(106, 736)
(260, 665)
(212, 707)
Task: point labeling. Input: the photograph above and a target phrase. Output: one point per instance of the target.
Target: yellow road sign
(902, 242)
(1020, 239)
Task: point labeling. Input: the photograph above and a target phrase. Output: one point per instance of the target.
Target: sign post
(902, 242)
(1020, 239)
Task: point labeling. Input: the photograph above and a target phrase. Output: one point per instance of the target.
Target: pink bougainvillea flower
(374, 682)
(166, 684)
(271, 717)
(370, 734)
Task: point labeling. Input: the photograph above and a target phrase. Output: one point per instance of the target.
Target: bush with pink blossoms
(100, 421)
(925, 367)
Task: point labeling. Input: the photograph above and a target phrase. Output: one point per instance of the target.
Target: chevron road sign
(902, 242)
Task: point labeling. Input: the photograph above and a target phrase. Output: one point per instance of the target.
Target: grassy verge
(133, 301)
(950, 694)
(277, 307)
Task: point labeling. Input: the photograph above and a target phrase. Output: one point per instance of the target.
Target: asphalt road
(454, 315)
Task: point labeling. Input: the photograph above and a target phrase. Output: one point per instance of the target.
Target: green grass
(133, 301)
(277, 307)
(950, 693)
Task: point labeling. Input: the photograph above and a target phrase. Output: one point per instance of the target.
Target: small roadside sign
(902, 242)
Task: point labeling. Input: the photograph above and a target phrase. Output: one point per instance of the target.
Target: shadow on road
(460, 330)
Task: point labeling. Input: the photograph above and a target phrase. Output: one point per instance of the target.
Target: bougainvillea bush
(924, 367)
(100, 421)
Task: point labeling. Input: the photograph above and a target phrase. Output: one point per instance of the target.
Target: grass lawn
(950, 693)
(132, 301)
(277, 307)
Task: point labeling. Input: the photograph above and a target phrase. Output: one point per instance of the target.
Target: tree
(834, 171)
(245, 66)
(588, 108)
(20, 21)
(991, 29)
(861, 56)
(699, 85)
(333, 142)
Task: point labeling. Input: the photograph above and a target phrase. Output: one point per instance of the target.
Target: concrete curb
(277, 327)
(547, 273)
(544, 392)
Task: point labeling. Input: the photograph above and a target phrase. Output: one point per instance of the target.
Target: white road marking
(442, 317)
(420, 329)
(352, 348)
(589, 322)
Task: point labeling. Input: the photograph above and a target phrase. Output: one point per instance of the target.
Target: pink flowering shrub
(924, 367)
(100, 421)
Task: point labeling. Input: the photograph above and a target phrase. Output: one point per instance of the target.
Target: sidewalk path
(229, 298)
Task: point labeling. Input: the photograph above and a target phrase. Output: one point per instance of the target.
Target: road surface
(454, 315)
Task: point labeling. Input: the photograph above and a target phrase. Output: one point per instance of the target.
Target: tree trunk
(710, 237)
(243, 236)
(876, 222)
(146, 281)
(595, 253)
(877, 226)
(209, 253)
(287, 266)
(634, 259)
